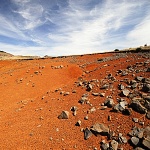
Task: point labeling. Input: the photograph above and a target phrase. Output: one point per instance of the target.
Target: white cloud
(79, 27)
(140, 34)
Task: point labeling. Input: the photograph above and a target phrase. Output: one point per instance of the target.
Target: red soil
(29, 105)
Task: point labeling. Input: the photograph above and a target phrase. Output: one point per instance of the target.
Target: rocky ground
(88, 102)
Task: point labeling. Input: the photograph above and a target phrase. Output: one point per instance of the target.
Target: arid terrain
(86, 102)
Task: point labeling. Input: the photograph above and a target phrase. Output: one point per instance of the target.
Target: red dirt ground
(29, 104)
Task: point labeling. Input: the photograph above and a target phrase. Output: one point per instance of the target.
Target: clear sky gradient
(68, 27)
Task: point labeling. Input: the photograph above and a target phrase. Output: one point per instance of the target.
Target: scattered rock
(64, 115)
(86, 117)
(135, 141)
(125, 92)
(137, 106)
(146, 88)
(102, 94)
(122, 139)
(87, 133)
(121, 87)
(89, 87)
(114, 145)
(109, 102)
(95, 94)
(148, 115)
(104, 145)
(105, 86)
(78, 123)
(135, 120)
(100, 129)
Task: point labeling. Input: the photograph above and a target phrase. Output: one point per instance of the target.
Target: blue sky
(68, 27)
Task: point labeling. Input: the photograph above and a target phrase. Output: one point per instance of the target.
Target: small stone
(109, 102)
(138, 78)
(135, 141)
(93, 109)
(114, 145)
(125, 92)
(102, 94)
(100, 128)
(64, 115)
(105, 86)
(78, 123)
(109, 118)
(104, 146)
(95, 94)
(87, 133)
(127, 111)
(121, 87)
(135, 120)
(148, 115)
(66, 93)
(86, 117)
(122, 139)
(89, 87)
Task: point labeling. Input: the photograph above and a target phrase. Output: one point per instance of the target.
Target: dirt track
(33, 95)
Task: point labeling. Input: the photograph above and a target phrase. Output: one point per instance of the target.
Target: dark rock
(138, 78)
(137, 106)
(146, 88)
(109, 102)
(89, 87)
(78, 123)
(133, 86)
(74, 110)
(135, 140)
(87, 133)
(148, 70)
(147, 98)
(64, 115)
(127, 111)
(100, 129)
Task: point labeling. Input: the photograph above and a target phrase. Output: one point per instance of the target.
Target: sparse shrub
(116, 50)
(139, 49)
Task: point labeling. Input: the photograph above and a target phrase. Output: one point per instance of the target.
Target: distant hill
(2, 53)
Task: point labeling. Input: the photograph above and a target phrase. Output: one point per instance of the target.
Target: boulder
(137, 106)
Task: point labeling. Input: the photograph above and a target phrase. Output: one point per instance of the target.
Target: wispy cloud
(67, 27)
